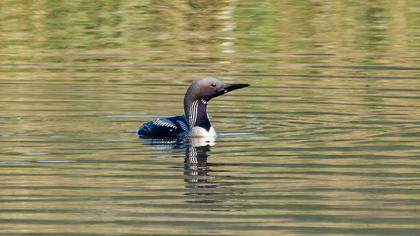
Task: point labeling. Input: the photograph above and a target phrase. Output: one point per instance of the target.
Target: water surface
(324, 142)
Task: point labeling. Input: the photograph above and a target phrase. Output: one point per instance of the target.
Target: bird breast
(197, 131)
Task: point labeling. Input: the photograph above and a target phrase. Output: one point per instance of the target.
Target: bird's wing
(164, 127)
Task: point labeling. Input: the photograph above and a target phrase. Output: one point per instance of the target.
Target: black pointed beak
(225, 89)
(230, 87)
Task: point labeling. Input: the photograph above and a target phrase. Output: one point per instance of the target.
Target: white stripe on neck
(193, 113)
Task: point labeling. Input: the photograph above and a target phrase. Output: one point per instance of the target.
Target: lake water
(326, 141)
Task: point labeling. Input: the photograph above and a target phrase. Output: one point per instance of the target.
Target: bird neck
(196, 113)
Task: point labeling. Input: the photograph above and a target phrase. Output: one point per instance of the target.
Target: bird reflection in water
(196, 167)
(200, 185)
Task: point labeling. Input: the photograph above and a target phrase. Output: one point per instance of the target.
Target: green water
(324, 142)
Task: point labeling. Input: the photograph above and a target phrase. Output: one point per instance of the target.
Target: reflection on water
(196, 172)
(200, 185)
(195, 166)
(325, 141)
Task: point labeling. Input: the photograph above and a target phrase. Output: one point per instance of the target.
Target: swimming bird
(195, 121)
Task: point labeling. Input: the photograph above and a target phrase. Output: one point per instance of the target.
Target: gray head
(209, 87)
(199, 93)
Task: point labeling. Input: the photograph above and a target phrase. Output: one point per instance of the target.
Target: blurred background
(325, 141)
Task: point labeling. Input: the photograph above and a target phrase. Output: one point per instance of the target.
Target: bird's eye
(213, 85)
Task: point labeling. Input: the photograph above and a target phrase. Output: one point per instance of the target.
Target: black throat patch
(198, 115)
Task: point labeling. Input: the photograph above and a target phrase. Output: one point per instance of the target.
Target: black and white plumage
(168, 127)
(195, 122)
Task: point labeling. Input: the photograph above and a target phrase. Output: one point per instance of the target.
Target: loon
(195, 122)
